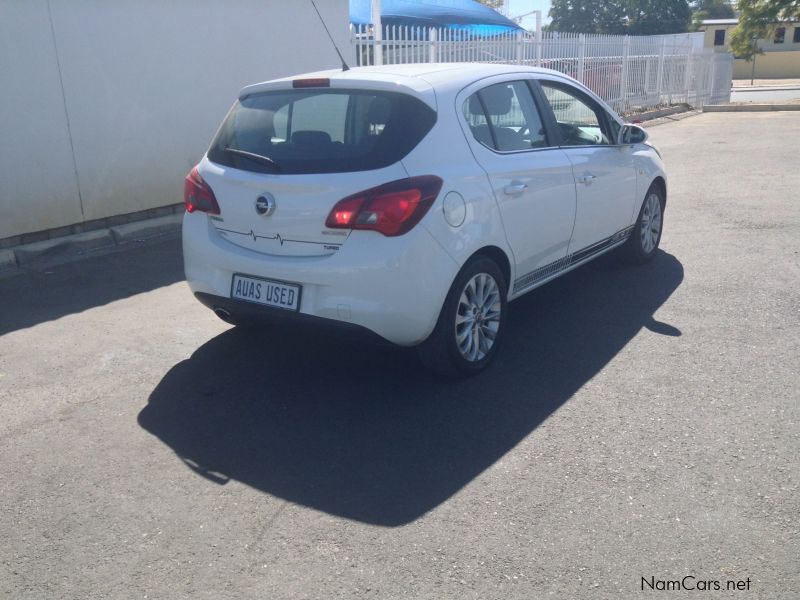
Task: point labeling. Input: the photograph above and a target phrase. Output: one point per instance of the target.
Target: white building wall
(145, 84)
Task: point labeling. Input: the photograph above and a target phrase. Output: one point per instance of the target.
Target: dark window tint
(796, 38)
(321, 131)
(504, 117)
(581, 122)
(780, 35)
(719, 37)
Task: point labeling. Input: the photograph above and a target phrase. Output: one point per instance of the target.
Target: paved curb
(657, 114)
(65, 247)
(749, 107)
(766, 88)
(8, 260)
(82, 245)
(140, 230)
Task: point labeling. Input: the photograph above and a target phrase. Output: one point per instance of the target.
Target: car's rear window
(321, 131)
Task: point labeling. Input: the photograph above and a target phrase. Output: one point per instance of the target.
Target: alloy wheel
(651, 223)
(478, 317)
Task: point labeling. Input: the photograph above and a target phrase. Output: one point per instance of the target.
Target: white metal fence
(630, 73)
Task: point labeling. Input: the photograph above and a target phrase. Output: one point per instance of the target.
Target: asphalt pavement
(639, 427)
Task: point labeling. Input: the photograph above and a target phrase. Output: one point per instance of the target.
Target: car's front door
(604, 172)
(532, 179)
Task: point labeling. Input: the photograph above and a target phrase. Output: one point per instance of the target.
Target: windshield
(320, 131)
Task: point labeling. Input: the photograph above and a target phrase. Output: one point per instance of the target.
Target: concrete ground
(745, 83)
(766, 95)
(640, 425)
(768, 91)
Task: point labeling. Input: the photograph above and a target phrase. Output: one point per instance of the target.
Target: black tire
(440, 352)
(636, 249)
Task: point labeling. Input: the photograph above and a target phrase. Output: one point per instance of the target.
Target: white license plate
(266, 292)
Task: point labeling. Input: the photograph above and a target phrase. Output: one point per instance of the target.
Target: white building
(104, 106)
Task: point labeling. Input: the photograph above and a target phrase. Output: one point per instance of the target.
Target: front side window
(580, 121)
(780, 35)
(504, 117)
(320, 131)
(719, 37)
(796, 38)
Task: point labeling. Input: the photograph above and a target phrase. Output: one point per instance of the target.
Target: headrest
(311, 138)
(475, 107)
(379, 110)
(496, 98)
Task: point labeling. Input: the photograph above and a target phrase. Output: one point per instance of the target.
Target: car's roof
(425, 80)
(427, 75)
(441, 72)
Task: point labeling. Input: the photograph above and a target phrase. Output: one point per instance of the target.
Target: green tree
(758, 19)
(654, 17)
(710, 9)
(587, 16)
(634, 17)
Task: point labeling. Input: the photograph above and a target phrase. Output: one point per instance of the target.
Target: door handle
(586, 178)
(515, 188)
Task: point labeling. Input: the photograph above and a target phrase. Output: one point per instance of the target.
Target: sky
(518, 7)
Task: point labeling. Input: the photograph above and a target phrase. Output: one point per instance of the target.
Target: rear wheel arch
(499, 256)
(451, 349)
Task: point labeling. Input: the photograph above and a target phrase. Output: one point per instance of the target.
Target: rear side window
(320, 131)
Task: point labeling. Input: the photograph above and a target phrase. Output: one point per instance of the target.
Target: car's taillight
(391, 209)
(197, 195)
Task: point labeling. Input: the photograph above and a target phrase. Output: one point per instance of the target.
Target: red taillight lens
(391, 209)
(345, 212)
(198, 196)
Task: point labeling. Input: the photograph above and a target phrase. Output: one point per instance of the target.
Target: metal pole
(623, 80)
(689, 67)
(538, 38)
(432, 38)
(753, 68)
(377, 32)
(661, 55)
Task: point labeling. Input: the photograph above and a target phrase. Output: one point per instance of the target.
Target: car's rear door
(604, 172)
(532, 178)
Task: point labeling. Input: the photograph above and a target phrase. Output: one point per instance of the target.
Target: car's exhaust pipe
(223, 314)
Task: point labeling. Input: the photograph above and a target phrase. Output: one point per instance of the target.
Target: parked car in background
(412, 203)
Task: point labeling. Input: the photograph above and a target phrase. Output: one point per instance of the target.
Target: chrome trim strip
(277, 236)
(555, 267)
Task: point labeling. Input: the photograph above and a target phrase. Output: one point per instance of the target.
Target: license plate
(266, 291)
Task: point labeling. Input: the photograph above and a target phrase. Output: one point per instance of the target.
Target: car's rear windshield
(320, 131)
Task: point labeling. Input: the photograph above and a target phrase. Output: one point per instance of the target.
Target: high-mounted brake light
(311, 83)
(198, 196)
(391, 209)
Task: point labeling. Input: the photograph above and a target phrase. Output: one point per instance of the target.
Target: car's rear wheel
(471, 323)
(646, 236)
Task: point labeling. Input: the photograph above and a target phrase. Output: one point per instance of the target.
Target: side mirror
(631, 134)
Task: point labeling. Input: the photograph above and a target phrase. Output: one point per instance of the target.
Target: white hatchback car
(413, 202)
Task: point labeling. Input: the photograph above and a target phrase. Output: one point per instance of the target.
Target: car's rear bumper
(240, 311)
(393, 287)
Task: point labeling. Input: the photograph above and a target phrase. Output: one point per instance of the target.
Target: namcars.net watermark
(691, 583)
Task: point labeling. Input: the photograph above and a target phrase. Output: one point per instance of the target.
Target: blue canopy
(461, 14)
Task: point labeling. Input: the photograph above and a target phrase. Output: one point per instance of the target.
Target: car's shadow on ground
(365, 433)
(46, 293)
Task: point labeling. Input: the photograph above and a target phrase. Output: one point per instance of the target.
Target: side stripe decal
(551, 269)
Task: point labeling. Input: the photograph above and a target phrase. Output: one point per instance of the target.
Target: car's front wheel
(646, 235)
(471, 322)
